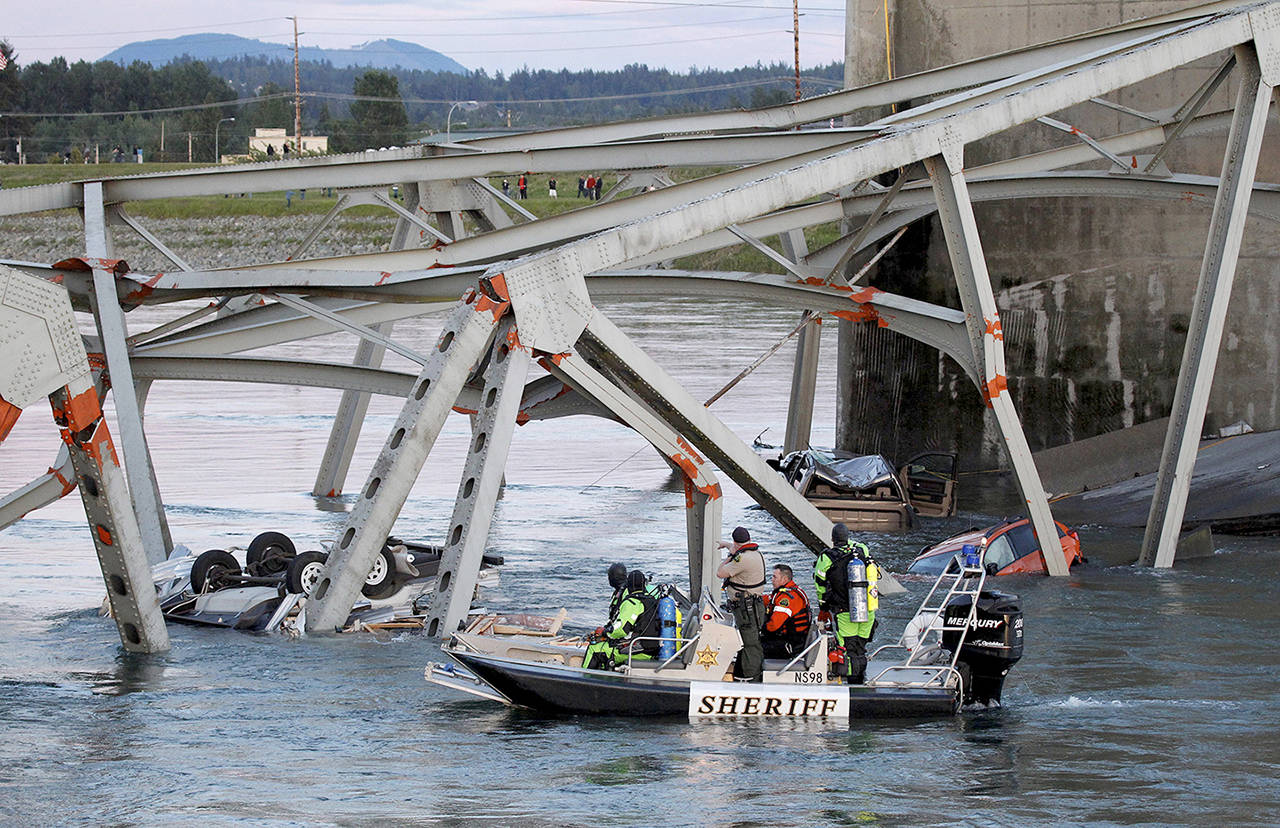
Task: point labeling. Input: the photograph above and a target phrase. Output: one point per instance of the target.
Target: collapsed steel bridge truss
(521, 289)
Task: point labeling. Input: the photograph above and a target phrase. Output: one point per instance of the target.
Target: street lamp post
(217, 159)
(448, 120)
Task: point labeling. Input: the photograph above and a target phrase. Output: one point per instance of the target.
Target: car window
(932, 565)
(1000, 552)
(1023, 539)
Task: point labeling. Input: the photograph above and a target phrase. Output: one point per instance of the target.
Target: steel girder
(543, 280)
(1208, 314)
(969, 266)
(603, 342)
(113, 331)
(464, 339)
(36, 321)
(359, 173)
(482, 474)
(703, 498)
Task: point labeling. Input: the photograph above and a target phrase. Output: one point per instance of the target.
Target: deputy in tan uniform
(743, 572)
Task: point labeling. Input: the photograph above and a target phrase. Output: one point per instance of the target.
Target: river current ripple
(1144, 697)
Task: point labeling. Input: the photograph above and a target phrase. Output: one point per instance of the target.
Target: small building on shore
(272, 142)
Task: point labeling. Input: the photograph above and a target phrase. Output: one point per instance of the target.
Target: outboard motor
(991, 647)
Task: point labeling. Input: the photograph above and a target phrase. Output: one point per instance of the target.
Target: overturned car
(263, 588)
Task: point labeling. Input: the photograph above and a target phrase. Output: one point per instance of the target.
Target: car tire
(269, 554)
(211, 570)
(381, 580)
(303, 572)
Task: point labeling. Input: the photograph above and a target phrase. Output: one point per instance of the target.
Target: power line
(238, 102)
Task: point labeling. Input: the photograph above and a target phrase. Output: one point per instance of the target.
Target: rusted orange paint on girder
(483, 304)
(866, 313)
(994, 388)
(9, 414)
(104, 535)
(68, 486)
(993, 329)
(80, 411)
(866, 294)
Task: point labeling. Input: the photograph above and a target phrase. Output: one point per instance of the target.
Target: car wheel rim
(310, 576)
(379, 572)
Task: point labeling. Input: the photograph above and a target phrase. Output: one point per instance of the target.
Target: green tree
(378, 123)
(272, 113)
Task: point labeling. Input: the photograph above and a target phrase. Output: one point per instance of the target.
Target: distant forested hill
(380, 54)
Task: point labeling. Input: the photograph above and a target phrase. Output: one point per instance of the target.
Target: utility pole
(795, 28)
(161, 140)
(188, 147)
(297, 94)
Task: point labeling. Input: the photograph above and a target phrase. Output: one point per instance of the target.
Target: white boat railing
(958, 579)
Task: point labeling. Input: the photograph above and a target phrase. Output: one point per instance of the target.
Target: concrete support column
(114, 331)
(347, 421)
(482, 474)
(464, 339)
(804, 383)
(955, 213)
(1208, 314)
(804, 375)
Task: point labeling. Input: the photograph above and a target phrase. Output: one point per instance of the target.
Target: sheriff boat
(957, 650)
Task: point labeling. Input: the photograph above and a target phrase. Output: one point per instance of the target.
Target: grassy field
(317, 202)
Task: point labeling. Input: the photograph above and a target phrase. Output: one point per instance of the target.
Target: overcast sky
(489, 34)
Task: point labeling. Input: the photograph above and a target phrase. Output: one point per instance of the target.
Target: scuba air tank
(857, 575)
(670, 629)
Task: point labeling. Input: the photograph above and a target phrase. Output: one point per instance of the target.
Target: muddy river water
(1143, 697)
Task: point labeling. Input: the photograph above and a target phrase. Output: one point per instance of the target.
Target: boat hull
(557, 688)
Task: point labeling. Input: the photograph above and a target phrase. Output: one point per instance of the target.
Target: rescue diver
(831, 580)
(637, 618)
(786, 630)
(618, 582)
(744, 585)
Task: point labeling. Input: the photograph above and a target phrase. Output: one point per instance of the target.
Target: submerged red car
(1008, 548)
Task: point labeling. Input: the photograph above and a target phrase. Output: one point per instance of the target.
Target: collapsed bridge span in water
(521, 288)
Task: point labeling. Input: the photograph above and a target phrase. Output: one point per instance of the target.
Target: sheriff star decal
(707, 657)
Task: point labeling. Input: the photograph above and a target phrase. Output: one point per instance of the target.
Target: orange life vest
(788, 611)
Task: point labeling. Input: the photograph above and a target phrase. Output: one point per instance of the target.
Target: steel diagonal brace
(118, 212)
(491, 431)
(955, 213)
(464, 339)
(798, 270)
(835, 274)
(1091, 142)
(338, 321)
(1192, 108)
(703, 498)
(604, 342)
(1213, 296)
(56, 483)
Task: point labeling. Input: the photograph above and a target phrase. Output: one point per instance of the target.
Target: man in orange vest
(787, 629)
